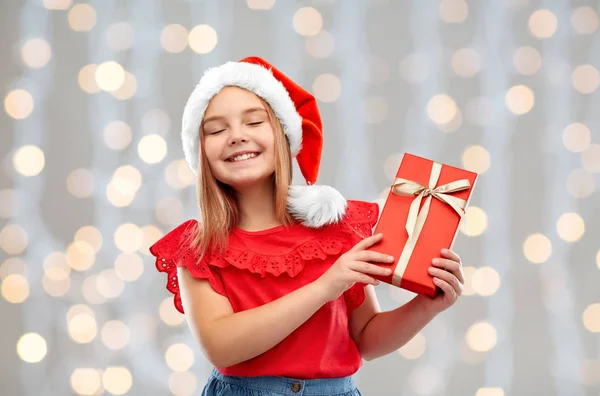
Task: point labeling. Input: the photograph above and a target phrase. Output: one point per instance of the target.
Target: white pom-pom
(317, 205)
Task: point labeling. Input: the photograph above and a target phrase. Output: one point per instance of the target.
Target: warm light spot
(453, 11)
(590, 158)
(36, 53)
(117, 380)
(441, 109)
(57, 4)
(87, 79)
(128, 89)
(80, 256)
(179, 357)
(169, 314)
(32, 348)
(13, 239)
(18, 104)
(82, 17)
(489, 392)
(15, 288)
(585, 20)
(520, 99)
(260, 4)
(537, 248)
(109, 284)
(82, 328)
(128, 238)
(115, 334)
(466, 62)
(570, 227)
(585, 79)
(468, 286)
(476, 219)
(481, 337)
(327, 88)
(414, 348)
(129, 266)
(152, 149)
(307, 21)
(527, 60)
(581, 183)
(542, 24)
(183, 383)
(110, 76)
(202, 39)
(174, 38)
(486, 281)
(80, 183)
(179, 175)
(591, 318)
(86, 381)
(476, 159)
(577, 137)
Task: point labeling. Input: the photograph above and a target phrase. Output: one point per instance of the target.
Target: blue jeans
(223, 385)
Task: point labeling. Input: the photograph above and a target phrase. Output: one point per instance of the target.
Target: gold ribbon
(416, 218)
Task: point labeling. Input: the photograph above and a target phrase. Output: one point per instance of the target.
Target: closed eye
(256, 123)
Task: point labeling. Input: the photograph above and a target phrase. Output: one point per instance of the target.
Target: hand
(352, 267)
(449, 277)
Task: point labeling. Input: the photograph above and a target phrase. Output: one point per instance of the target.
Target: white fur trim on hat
(316, 205)
(252, 77)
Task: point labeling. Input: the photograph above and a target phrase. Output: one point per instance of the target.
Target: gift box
(420, 217)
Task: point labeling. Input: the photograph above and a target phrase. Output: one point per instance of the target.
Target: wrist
(425, 304)
(319, 290)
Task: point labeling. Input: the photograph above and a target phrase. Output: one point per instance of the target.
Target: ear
(317, 205)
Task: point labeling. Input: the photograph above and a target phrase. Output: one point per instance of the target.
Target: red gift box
(420, 217)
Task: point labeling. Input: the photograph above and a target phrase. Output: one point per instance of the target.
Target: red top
(262, 266)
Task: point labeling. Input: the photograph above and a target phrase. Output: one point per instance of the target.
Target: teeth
(243, 157)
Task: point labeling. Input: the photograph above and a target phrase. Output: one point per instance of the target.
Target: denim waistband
(291, 386)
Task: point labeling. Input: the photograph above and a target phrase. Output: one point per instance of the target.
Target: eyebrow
(247, 111)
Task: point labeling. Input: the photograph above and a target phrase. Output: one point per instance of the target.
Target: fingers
(451, 255)
(373, 257)
(448, 278)
(446, 288)
(368, 268)
(450, 266)
(367, 242)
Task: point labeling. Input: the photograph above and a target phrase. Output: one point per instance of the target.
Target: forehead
(231, 100)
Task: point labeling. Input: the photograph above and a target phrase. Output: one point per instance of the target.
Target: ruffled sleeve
(361, 216)
(173, 250)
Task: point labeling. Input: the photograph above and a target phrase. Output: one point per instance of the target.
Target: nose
(237, 136)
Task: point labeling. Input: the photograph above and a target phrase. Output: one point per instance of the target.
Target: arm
(390, 330)
(227, 338)
(379, 333)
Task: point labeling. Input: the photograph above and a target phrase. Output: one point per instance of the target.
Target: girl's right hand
(353, 266)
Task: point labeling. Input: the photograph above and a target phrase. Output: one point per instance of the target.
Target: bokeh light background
(92, 173)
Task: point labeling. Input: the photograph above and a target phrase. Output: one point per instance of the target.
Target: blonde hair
(217, 201)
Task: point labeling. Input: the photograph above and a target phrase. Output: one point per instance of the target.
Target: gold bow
(416, 219)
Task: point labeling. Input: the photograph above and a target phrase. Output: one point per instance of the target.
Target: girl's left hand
(449, 277)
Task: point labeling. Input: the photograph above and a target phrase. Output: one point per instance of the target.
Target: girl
(275, 279)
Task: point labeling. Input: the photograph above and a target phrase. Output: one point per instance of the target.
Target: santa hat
(296, 110)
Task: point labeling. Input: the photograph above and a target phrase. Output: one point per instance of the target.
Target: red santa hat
(298, 113)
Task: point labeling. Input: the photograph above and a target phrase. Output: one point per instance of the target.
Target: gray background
(543, 346)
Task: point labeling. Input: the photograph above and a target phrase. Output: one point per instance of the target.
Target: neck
(256, 207)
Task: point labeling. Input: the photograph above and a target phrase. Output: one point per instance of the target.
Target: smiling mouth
(243, 157)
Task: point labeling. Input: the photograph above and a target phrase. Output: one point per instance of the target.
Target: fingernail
(390, 258)
(444, 250)
(435, 261)
(388, 271)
